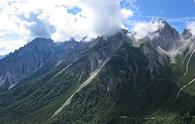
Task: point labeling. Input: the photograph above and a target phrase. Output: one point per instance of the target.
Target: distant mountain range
(108, 80)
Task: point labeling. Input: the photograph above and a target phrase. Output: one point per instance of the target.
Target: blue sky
(176, 12)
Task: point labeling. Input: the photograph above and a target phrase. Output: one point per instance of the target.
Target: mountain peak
(186, 34)
(168, 31)
(41, 40)
(40, 43)
(160, 20)
(167, 36)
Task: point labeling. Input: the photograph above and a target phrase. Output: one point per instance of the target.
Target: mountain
(168, 37)
(186, 34)
(36, 58)
(105, 81)
(159, 48)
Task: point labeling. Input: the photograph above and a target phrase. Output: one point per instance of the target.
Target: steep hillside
(36, 58)
(124, 92)
(36, 95)
(106, 81)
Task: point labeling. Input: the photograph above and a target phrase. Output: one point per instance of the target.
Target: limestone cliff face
(38, 56)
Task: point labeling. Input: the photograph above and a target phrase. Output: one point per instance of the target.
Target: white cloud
(127, 13)
(10, 46)
(23, 20)
(191, 27)
(147, 29)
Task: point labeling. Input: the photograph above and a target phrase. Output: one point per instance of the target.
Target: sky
(23, 20)
(176, 12)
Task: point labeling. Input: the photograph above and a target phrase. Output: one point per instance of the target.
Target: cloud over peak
(147, 29)
(61, 19)
(23, 20)
(191, 27)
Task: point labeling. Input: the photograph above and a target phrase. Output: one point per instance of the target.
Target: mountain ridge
(105, 81)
